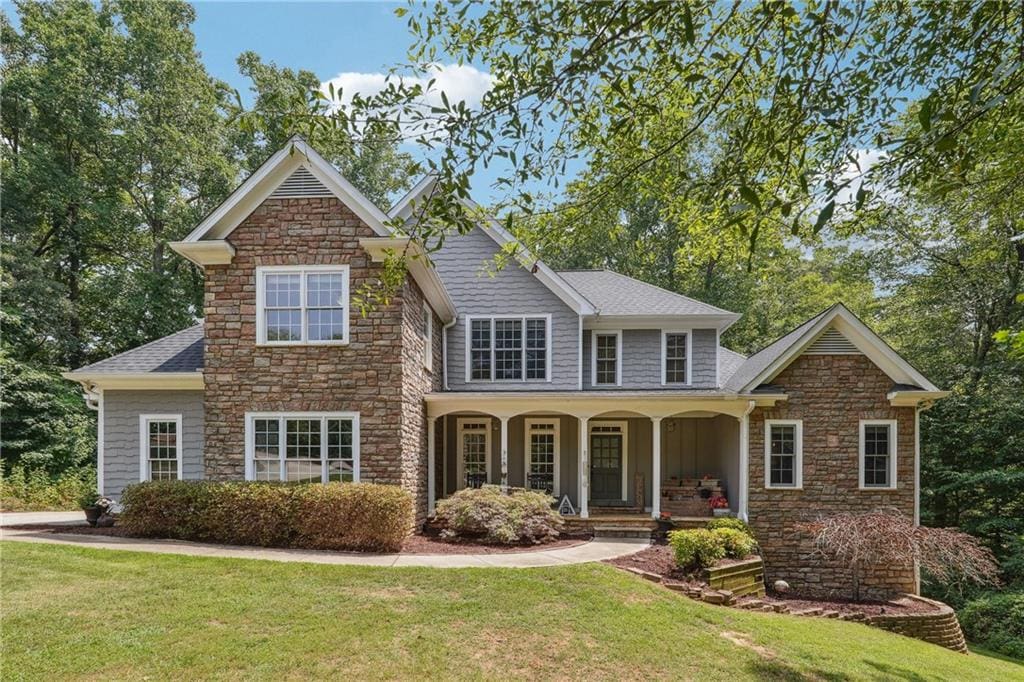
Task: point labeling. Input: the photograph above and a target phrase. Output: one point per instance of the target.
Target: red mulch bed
(899, 606)
(415, 544)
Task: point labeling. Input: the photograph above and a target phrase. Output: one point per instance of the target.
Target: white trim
(741, 507)
(655, 467)
(798, 451)
(211, 252)
(527, 424)
(428, 338)
(169, 381)
(617, 333)
(579, 354)
(250, 417)
(893, 439)
(623, 426)
(460, 464)
(100, 443)
(270, 175)
(718, 358)
(719, 322)
(431, 464)
(144, 420)
(405, 206)
(302, 271)
(869, 343)
(549, 348)
(689, 356)
(583, 466)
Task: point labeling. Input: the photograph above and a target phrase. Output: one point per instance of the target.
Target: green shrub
(361, 517)
(350, 516)
(25, 489)
(729, 522)
(490, 515)
(996, 622)
(697, 548)
(737, 543)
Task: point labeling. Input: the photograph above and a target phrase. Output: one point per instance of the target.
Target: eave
(678, 322)
(149, 381)
(914, 398)
(417, 262)
(211, 252)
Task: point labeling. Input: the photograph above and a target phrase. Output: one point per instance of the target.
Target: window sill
(292, 344)
(878, 488)
(783, 487)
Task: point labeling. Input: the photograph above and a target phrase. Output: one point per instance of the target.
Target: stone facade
(380, 373)
(831, 394)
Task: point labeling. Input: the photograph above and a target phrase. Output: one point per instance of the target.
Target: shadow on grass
(988, 653)
(780, 670)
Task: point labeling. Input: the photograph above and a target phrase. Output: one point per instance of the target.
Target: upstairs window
(508, 349)
(878, 453)
(674, 346)
(428, 338)
(783, 453)
(302, 447)
(160, 451)
(302, 305)
(606, 349)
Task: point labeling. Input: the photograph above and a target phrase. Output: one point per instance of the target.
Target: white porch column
(431, 457)
(656, 467)
(584, 468)
(504, 452)
(741, 506)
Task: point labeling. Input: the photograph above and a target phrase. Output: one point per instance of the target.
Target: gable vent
(832, 342)
(301, 183)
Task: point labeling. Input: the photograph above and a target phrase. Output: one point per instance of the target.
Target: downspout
(444, 351)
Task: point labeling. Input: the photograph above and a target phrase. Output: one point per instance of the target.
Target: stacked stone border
(939, 627)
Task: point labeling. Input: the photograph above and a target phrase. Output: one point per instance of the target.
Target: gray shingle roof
(760, 360)
(179, 352)
(728, 362)
(615, 294)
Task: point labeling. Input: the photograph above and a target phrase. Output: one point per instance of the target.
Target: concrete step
(621, 531)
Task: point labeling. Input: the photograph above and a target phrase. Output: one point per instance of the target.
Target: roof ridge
(663, 289)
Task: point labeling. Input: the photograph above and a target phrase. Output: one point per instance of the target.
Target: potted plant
(719, 505)
(665, 523)
(94, 506)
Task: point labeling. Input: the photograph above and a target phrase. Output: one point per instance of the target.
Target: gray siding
(121, 410)
(477, 290)
(642, 359)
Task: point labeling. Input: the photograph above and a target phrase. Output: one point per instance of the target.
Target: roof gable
(763, 366)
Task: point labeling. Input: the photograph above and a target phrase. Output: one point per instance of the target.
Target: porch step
(622, 531)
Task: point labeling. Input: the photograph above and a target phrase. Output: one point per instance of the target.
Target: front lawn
(72, 613)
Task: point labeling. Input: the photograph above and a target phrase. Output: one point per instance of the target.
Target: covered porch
(609, 454)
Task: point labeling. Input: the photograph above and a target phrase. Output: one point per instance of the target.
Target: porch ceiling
(587, 404)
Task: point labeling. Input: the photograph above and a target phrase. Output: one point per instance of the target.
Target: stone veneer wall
(374, 374)
(831, 394)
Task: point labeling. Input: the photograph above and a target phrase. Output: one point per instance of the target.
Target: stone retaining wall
(938, 627)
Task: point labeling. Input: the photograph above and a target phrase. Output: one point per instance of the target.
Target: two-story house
(592, 385)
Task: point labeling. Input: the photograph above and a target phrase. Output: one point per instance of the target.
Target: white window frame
(428, 338)
(798, 452)
(893, 440)
(665, 333)
(527, 450)
(549, 341)
(594, 333)
(144, 420)
(250, 441)
(623, 427)
(300, 270)
(460, 469)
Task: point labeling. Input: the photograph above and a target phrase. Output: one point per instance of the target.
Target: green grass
(75, 613)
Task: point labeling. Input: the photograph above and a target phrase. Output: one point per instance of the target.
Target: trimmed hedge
(996, 622)
(737, 543)
(729, 522)
(488, 514)
(350, 516)
(696, 548)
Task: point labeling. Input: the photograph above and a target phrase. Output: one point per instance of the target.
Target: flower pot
(665, 525)
(92, 514)
(722, 512)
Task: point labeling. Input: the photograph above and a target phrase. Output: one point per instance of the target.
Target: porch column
(656, 467)
(584, 468)
(504, 453)
(741, 505)
(431, 475)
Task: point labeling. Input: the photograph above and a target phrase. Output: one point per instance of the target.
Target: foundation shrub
(737, 543)
(357, 517)
(696, 548)
(730, 522)
(490, 515)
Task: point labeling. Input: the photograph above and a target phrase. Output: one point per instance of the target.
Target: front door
(605, 466)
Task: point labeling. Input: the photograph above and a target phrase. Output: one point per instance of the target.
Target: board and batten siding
(121, 437)
(464, 266)
(642, 359)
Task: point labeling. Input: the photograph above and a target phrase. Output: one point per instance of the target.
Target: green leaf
(924, 114)
(688, 31)
(945, 144)
(824, 216)
(750, 196)
(862, 195)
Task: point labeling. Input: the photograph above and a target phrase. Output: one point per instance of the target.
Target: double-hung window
(302, 305)
(508, 348)
(303, 446)
(160, 447)
(542, 455)
(428, 338)
(783, 453)
(878, 453)
(674, 346)
(606, 351)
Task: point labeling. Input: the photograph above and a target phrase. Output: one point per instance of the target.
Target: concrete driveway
(18, 518)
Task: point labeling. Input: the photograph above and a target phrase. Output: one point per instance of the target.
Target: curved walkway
(595, 550)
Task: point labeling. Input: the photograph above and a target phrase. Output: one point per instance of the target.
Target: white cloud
(461, 83)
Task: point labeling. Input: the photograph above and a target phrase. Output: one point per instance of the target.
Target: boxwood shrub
(737, 543)
(488, 514)
(350, 516)
(696, 548)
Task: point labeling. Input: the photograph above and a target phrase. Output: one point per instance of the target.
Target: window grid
(606, 348)
(876, 455)
(783, 455)
(508, 349)
(541, 474)
(314, 448)
(162, 449)
(675, 358)
(474, 440)
(304, 305)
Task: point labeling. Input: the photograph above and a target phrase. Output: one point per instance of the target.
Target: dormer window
(302, 305)
(675, 355)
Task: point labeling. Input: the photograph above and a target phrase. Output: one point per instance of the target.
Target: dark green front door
(605, 466)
